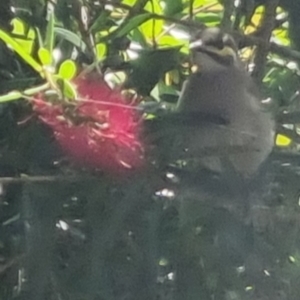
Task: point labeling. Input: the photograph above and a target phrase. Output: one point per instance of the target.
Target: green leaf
(71, 37)
(169, 40)
(49, 40)
(16, 95)
(152, 28)
(133, 23)
(129, 2)
(198, 3)
(173, 7)
(100, 22)
(22, 52)
(23, 36)
(101, 50)
(67, 69)
(138, 37)
(149, 67)
(67, 88)
(11, 96)
(45, 56)
(209, 19)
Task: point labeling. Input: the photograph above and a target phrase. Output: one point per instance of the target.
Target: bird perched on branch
(219, 119)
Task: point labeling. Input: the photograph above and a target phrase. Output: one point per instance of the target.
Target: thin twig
(36, 179)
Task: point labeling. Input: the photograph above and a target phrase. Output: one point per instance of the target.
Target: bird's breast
(219, 93)
(247, 138)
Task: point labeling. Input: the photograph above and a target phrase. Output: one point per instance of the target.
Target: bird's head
(213, 48)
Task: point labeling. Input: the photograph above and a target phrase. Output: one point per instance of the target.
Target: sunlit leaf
(25, 38)
(256, 20)
(101, 50)
(22, 52)
(210, 19)
(129, 2)
(99, 23)
(152, 28)
(168, 40)
(281, 37)
(202, 2)
(67, 88)
(282, 140)
(133, 23)
(49, 40)
(44, 56)
(68, 69)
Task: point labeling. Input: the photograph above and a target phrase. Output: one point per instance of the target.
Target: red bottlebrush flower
(99, 131)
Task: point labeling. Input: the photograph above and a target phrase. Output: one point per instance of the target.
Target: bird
(219, 119)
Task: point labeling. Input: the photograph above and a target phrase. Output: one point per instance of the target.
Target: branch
(37, 179)
(266, 32)
(228, 12)
(251, 40)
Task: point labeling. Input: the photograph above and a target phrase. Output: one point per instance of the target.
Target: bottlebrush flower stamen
(99, 129)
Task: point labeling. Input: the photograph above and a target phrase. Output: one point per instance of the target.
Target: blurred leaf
(255, 20)
(169, 40)
(67, 88)
(282, 140)
(25, 38)
(133, 23)
(281, 82)
(129, 2)
(150, 66)
(45, 56)
(173, 7)
(210, 19)
(100, 22)
(138, 37)
(67, 69)
(11, 96)
(202, 2)
(71, 37)
(49, 40)
(22, 52)
(18, 26)
(281, 37)
(101, 50)
(172, 77)
(205, 5)
(152, 28)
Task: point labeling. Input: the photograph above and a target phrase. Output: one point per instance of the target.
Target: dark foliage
(172, 230)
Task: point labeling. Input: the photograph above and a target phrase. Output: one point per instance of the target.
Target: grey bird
(223, 122)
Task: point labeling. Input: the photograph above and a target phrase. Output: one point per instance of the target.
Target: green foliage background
(69, 233)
